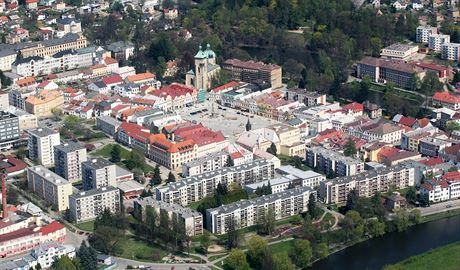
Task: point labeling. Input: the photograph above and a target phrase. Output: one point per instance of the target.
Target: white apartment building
(436, 40)
(192, 219)
(195, 188)
(49, 186)
(46, 253)
(437, 191)
(41, 145)
(88, 205)
(423, 32)
(450, 51)
(335, 191)
(67, 160)
(211, 162)
(333, 163)
(97, 173)
(246, 213)
(289, 177)
(399, 51)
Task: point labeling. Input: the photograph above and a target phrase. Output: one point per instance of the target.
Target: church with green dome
(205, 69)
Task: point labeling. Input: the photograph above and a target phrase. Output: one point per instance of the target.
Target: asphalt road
(440, 207)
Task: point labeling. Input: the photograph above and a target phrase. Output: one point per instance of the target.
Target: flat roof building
(97, 173)
(67, 160)
(41, 145)
(88, 205)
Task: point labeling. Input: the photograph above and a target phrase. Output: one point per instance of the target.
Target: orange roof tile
(141, 77)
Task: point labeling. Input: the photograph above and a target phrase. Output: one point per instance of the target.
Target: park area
(126, 156)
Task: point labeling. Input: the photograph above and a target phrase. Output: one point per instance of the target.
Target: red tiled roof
(452, 150)
(423, 122)
(226, 86)
(451, 176)
(17, 234)
(354, 107)
(12, 164)
(236, 155)
(387, 151)
(51, 228)
(141, 77)
(113, 79)
(173, 90)
(135, 131)
(110, 61)
(407, 121)
(432, 161)
(200, 134)
(446, 97)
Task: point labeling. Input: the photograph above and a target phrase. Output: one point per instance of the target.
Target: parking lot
(231, 122)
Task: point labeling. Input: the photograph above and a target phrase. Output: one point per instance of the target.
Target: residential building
(205, 69)
(247, 213)
(436, 40)
(69, 25)
(308, 98)
(97, 173)
(26, 120)
(430, 146)
(41, 145)
(67, 160)
(450, 51)
(88, 205)
(47, 253)
(333, 163)
(250, 71)
(447, 100)
(423, 32)
(411, 140)
(9, 129)
(121, 50)
(399, 51)
(208, 163)
(194, 188)
(108, 124)
(192, 219)
(372, 110)
(43, 103)
(437, 190)
(335, 191)
(376, 130)
(49, 186)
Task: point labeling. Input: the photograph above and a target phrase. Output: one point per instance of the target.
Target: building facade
(98, 173)
(88, 205)
(250, 71)
(9, 129)
(67, 160)
(333, 163)
(41, 145)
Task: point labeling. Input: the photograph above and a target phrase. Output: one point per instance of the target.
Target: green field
(138, 250)
(282, 247)
(125, 154)
(446, 258)
(86, 226)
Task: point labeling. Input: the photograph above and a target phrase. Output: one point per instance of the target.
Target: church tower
(248, 125)
(205, 69)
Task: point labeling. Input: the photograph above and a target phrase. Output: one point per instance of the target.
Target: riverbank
(439, 258)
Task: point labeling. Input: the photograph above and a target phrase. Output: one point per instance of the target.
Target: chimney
(4, 204)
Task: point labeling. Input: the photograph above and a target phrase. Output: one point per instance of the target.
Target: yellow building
(42, 104)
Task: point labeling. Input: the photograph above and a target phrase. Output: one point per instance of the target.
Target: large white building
(333, 163)
(423, 32)
(41, 145)
(436, 40)
(197, 187)
(192, 219)
(67, 160)
(335, 191)
(450, 51)
(88, 205)
(211, 162)
(97, 173)
(49, 186)
(246, 213)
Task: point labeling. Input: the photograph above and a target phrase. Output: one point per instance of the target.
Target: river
(394, 247)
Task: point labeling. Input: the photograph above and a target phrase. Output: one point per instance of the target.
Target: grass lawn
(282, 247)
(86, 226)
(125, 154)
(138, 250)
(439, 258)
(232, 196)
(287, 160)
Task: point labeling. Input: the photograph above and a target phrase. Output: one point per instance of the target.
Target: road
(440, 207)
(123, 263)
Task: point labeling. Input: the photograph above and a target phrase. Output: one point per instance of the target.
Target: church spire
(248, 125)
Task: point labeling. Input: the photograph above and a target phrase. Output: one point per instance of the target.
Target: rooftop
(92, 192)
(42, 132)
(97, 163)
(69, 147)
(48, 175)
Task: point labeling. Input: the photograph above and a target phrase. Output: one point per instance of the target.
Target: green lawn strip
(441, 215)
(445, 257)
(134, 249)
(85, 226)
(282, 247)
(125, 154)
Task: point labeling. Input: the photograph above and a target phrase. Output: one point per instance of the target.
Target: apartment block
(247, 213)
(41, 145)
(88, 205)
(26, 120)
(9, 129)
(436, 40)
(107, 124)
(97, 173)
(211, 162)
(430, 146)
(335, 191)
(332, 163)
(423, 32)
(193, 220)
(309, 98)
(43, 103)
(195, 188)
(49, 186)
(289, 177)
(250, 71)
(399, 51)
(450, 51)
(67, 160)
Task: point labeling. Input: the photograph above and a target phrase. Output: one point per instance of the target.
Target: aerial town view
(230, 134)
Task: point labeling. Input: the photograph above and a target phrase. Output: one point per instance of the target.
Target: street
(440, 207)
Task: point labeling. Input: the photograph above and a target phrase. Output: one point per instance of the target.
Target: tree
(312, 206)
(272, 149)
(415, 216)
(171, 177)
(452, 126)
(237, 260)
(115, 154)
(162, 46)
(5, 81)
(233, 234)
(21, 153)
(350, 148)
(301, 253)
(230, 162)
(352, 200)
(411, 195)
(376, 228)
(136, 160)
(456, 78)
(64, 263)
(57, 113)
(321, 251)
(257, 247)
(424, 199)
(156, 179)
(353, 225)
(431, 83)
(205, 242)
(376, 46)
(415, 83)
(266, 221)
(281, 261)
(401, 220)
(87, 256)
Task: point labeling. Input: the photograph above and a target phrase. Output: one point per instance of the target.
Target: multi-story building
(289, 177)
(41, 145)
(336, 190)
(197, 187)
(49, 186)
(211, 162)
(380, 70)
(250, 71)
(450, 51)
(399, 51)
(333, 163)
(447, 100)
(9, 129)
(97, 173)
(308, 98)
(88, 205)
(67, 160)
(436, 40)
(437, 190)
(192, 220)
(107, 124)
(69, 25)
(430, 146)
(376, 130)
(423, 32)
(47, 253)
(411, 140)
(43, 103)
(26, 120)
(246, 213)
